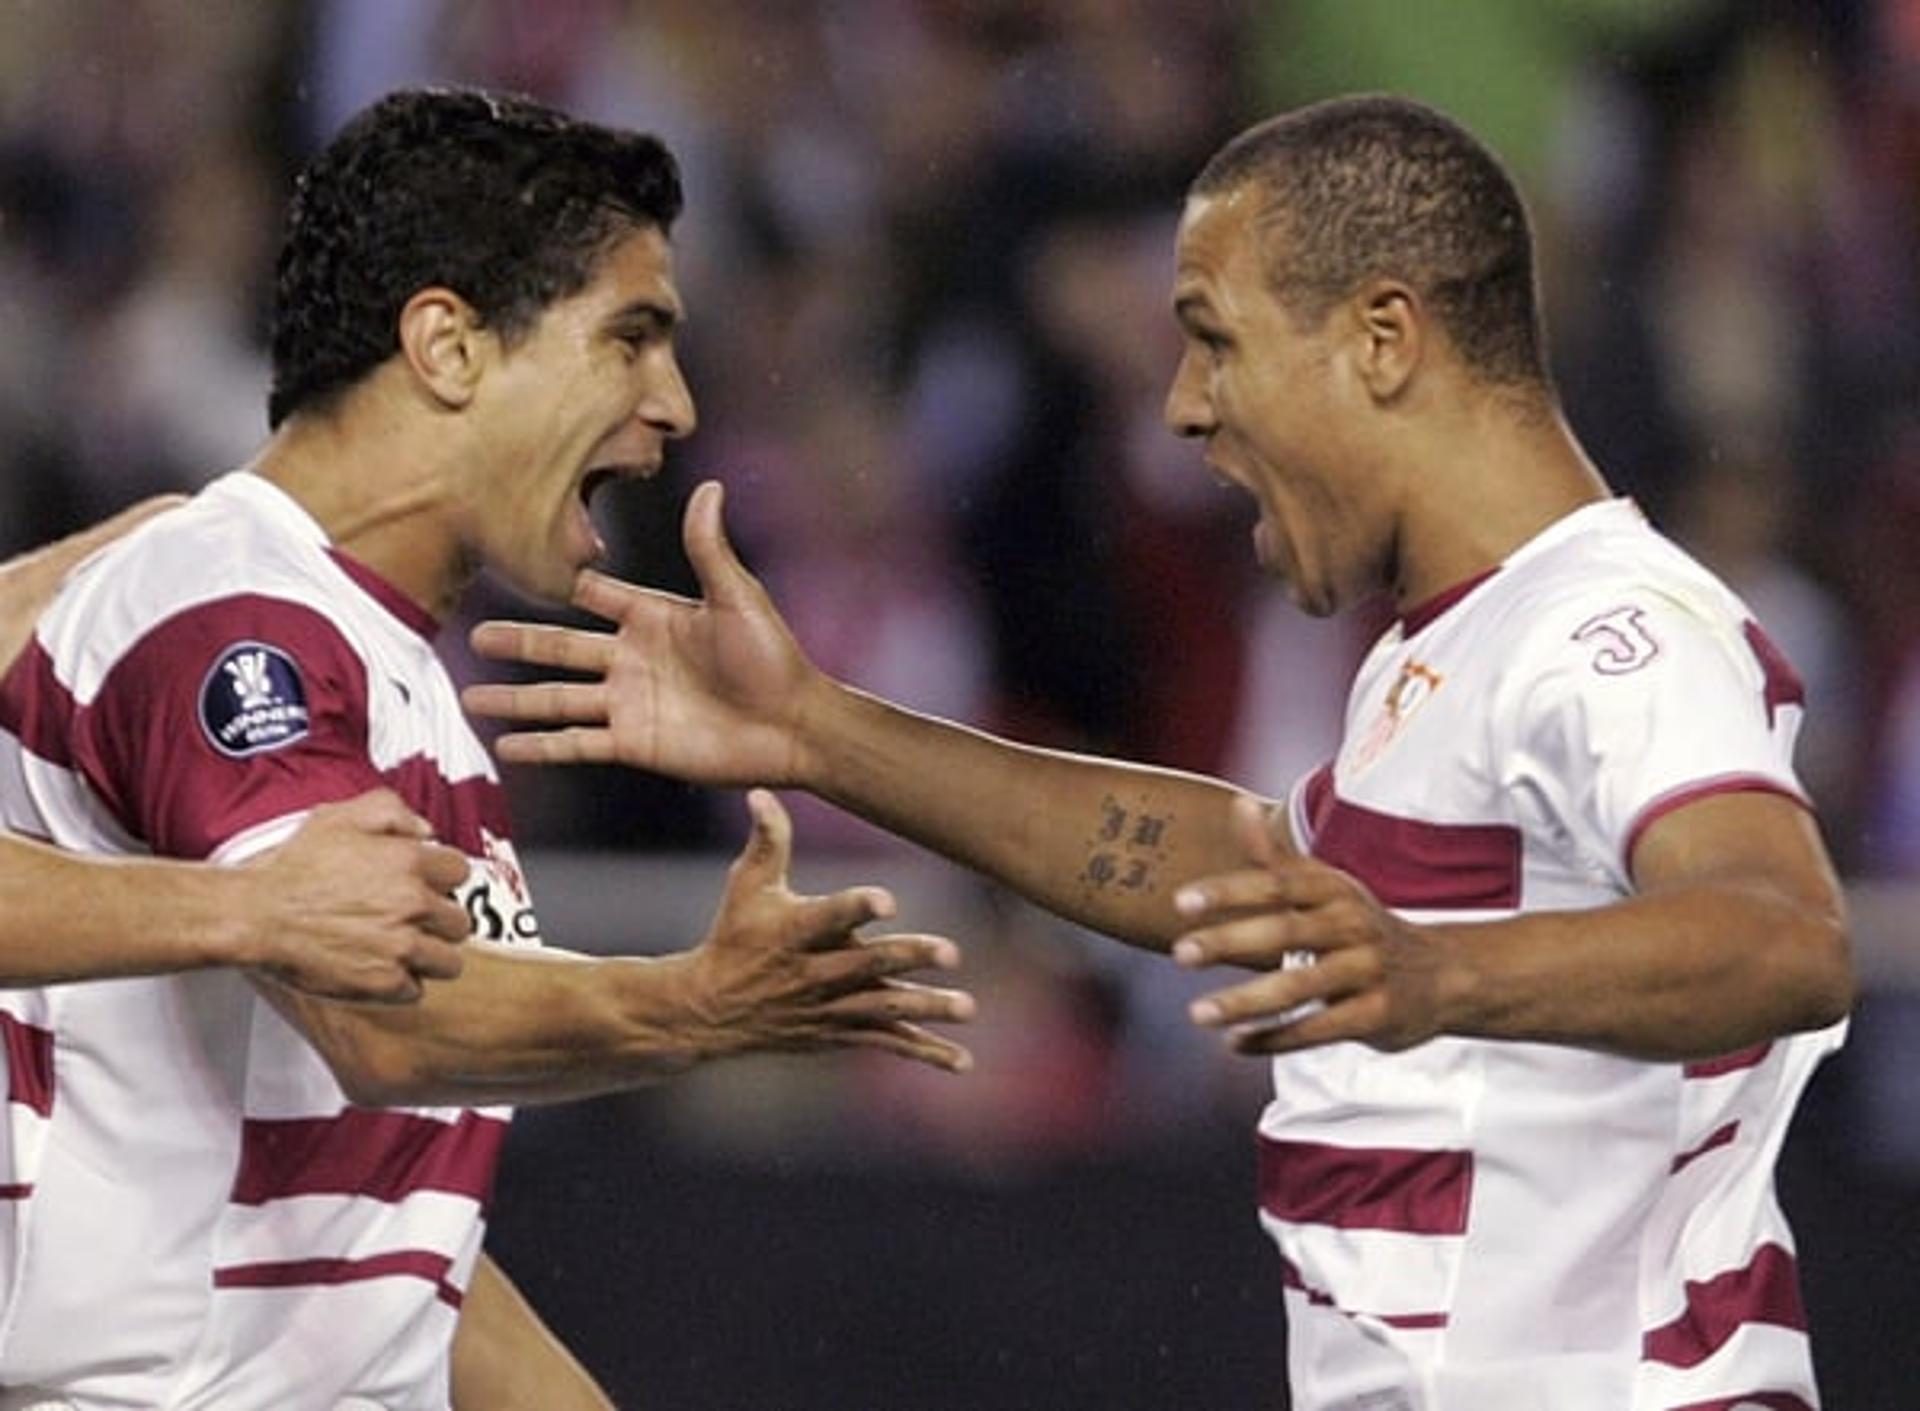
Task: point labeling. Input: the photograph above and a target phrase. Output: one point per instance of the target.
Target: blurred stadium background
(926, 260)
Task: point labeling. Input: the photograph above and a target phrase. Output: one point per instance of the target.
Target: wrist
(665, 999)
(222, 914)
(1459, 987)
(820, 703)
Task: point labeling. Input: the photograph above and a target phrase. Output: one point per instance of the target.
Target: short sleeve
(224, 718)
(1627, 710)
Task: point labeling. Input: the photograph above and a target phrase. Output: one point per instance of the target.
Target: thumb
(769, 847)
(704, 534)
(381, 811)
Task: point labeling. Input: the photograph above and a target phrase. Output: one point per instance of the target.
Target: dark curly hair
(1372, 186)
(509, 204)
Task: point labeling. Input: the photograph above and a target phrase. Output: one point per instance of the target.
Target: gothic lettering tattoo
(1127, 848)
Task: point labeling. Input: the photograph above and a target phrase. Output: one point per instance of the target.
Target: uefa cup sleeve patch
(253, 700)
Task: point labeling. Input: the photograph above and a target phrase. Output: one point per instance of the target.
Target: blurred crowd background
(926, 261)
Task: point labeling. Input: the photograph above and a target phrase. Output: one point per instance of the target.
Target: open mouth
(590, 484)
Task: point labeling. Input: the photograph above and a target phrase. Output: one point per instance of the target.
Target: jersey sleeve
(1627, 710)
(224, 719)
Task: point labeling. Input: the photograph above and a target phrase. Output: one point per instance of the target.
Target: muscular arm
(506, 1359)
(1735, 935)
(718, 691)
(1103, 843)
(776, 972)
(352, 907)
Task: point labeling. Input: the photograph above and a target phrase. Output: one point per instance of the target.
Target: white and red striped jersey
(1483, 1226)
(191, 1213)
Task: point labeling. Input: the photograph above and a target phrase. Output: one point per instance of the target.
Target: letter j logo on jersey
(253, 700)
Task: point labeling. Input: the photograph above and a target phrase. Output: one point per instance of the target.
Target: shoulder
(223, 566)
(1619, 601)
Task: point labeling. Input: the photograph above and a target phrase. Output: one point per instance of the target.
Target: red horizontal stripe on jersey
(18, 1191)
(1721, 1136)
(1751, 1057)
(309, 1273)
(29, 1063)
(1366, 1188)
(1766, 1291)
(1752, 1401)
(384, 1156)
(36, 709)
(1291, 1277)
(1409, 862)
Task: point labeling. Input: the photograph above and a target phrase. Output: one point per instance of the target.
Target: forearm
(506, 1359)
(1686, 973)
(519, 1026)
(69, 918)
(1100, 842)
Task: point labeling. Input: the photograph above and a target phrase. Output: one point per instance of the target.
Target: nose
(1188, 410)
(668, 404)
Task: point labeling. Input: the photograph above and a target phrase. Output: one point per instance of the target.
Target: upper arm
(1748, 837)
(230, 715)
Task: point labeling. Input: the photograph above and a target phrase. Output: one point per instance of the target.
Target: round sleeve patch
(253, 700)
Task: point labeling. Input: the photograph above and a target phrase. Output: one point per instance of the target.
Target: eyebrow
(1194, 308)
(654, 315)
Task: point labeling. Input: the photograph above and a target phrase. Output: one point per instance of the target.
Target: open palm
(707, 690)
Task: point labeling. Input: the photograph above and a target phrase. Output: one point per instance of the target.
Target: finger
(442, 868)
(1268, 939)
(1212, 898)
(1279, 995)
(911, 1041)
(552, 702)
(769, 846)
(436, 960)
(603, 595)
(1290, 881)
(1354, 1019)
(865, 962)
(901, 1001)
(397, 985)
(378, 811)
(446, 918)
(829, 921)
(577, 744)
(405, 989)
(1260, 942)
(722, 576)
(543, 644)
(1251, 828)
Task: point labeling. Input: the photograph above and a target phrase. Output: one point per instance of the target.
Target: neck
(378, 498)
(1483, 494)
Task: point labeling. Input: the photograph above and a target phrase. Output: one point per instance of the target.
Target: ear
(444, 344)
(1392, 324)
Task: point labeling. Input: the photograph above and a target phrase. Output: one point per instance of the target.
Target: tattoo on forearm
(1127, 849)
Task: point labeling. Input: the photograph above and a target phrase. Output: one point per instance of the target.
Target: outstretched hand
(783, 972)
(1338, 965)
(708, 690)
